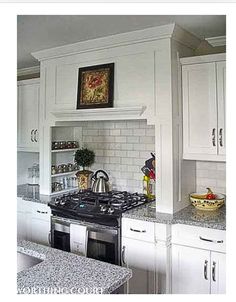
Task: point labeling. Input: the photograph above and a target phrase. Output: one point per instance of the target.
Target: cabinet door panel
(199, 109)
(218, 273)
(190, 270)
(40, 230)
(221, 94)
(28, 111)
(140, 257)
(21, 226)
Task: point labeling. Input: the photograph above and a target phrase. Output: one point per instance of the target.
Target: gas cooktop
(86, 202)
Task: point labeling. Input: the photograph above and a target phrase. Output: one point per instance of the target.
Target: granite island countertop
(189, 215)
(63, 272)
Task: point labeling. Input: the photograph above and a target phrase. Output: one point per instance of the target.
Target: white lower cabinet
(40, 229)
(140, 257)
(190, 270)
(198, 268)
(218, 273)
(33, 222)
(145, 251)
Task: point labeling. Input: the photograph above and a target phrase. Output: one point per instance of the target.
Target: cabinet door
(28, 111)
(199, 109)
(221, 93)
(190, 270)
(21, 226)
(218, 273)
(40, 230)
(140, 257)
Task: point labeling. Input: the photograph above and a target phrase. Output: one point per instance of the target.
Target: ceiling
(41, 32)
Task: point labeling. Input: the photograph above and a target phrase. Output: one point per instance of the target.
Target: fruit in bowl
(209, 201)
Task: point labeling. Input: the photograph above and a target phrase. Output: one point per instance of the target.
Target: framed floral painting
(95, 86)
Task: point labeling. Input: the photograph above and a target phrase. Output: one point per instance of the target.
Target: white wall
(25, 160)
(121, 149)
(211, 174)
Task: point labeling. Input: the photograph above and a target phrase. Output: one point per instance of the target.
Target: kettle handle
(100, 171)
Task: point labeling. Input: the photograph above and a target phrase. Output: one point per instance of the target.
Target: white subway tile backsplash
(132, 153)
(133, 139)
(121, 148)
(127, 146)
(137, 147)
(115, 160)
(150, 132)
(139, 132)
(127, 160)
(115, 132)
(120, 153)
(120, 125)
(127, 132)
(205, 165)
(210, 174)
(120, 139)
(146, 140)
(133, 168)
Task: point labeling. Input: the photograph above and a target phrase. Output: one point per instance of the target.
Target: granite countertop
(31, 193)
(188, 215)
(63, 272)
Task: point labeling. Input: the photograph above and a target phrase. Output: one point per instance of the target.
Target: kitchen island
(66, 273)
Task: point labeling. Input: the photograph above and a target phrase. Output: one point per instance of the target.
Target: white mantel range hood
(100, 114)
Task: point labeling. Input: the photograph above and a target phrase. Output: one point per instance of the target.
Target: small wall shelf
(64, 191)
(64, 174)
(64, 150)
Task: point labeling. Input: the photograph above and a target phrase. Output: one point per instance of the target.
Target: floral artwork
(95, 86)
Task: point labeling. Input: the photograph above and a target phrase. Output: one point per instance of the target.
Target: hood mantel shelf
(101, 114)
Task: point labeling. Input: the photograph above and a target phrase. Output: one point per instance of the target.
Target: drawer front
(210, 239)
(40, 209)
(138, 229)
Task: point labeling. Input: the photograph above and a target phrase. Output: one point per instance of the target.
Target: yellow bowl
(207, 204)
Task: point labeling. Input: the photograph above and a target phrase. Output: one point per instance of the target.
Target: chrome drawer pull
(214, 137)
(210, 240)
(214, 271)
(31, 135)
(49, 238)
(123, 255)
(35, 136)
(41, 212)
(205, 270)
(221, 137)
(138, 231)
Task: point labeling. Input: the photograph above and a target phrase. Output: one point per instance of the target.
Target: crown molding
(139, 36)
(203, 59)
(28, 71)
(217, 41)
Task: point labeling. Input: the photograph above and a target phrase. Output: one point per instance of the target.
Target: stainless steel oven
(102, 241)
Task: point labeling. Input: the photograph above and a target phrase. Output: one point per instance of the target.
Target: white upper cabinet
(221, 93)
(203, 82)
(28, 115)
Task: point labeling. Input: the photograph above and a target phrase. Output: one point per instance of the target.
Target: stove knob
(103, 208)
(111, 210)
